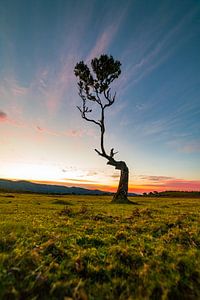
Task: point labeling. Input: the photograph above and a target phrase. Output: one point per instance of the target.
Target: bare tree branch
(83, 112)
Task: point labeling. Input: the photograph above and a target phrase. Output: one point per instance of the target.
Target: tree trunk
(121, 195)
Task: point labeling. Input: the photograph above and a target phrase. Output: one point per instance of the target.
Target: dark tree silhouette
(94, 89)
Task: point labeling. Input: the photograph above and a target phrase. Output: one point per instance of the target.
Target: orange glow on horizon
(138, 189)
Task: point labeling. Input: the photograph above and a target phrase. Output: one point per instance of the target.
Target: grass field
(84, 247)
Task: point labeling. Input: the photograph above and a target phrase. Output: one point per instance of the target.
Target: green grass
(84, 247)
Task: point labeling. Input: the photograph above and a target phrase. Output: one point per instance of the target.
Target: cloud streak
(73, 133)
(53, 84)
(162, 50)
(103, 42)
(12, 88)
(155, 178)
(67, 133)
(81, 181)
(106, 37)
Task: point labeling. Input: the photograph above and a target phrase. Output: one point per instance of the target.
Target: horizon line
(137, 189)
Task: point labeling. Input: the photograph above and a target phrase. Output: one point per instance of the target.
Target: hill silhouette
(27, 186)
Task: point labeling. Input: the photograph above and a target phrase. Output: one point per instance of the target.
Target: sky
(154, 122)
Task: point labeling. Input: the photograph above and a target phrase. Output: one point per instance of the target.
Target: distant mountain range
(30, 187)
(27, 186)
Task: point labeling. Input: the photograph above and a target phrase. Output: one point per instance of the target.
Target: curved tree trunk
(121, 195)
(122, 191)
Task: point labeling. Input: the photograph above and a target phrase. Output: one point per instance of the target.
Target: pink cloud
(182, 184)
(161, 183)
(3, 116)
(177, 184)
(146, 183)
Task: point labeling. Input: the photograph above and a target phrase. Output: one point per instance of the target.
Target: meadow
(84, 247)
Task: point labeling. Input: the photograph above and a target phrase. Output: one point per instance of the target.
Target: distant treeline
(175, 194)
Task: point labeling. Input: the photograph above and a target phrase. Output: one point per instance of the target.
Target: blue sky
(154, 123)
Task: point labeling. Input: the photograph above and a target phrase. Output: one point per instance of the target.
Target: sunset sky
(155, 121)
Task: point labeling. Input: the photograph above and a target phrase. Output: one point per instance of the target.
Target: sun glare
(33, 172)
(47, 173)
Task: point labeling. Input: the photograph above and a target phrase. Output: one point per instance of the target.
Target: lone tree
(95, 92)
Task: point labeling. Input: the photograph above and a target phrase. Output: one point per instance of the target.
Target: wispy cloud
(68, 133)
(115, 176)
(14, 97)
(53, 84)
(81, 181)
(46, 131)
(74, 133)
(103, 42)
(155, 178)
(19, 90)
(160, 51)
(106, 37)
(12, 88)
(92, 173)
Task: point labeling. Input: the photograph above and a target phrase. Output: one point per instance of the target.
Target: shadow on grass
(61, 202)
